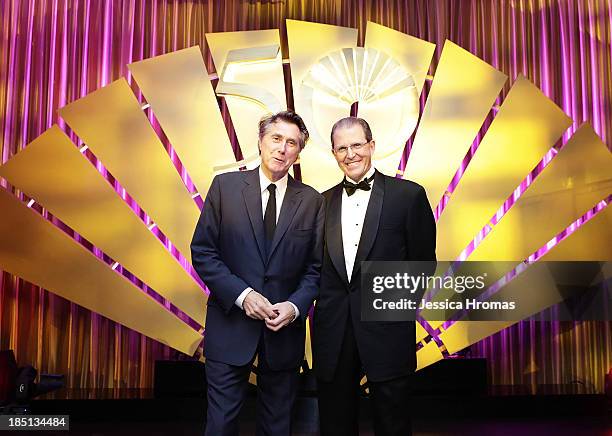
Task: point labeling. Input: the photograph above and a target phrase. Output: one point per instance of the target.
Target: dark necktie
(270, 217)
(352, 187)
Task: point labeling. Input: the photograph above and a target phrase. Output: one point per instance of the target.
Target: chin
(354, 173)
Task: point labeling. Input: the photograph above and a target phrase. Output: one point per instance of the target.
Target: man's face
(354, 163)
(280, 148)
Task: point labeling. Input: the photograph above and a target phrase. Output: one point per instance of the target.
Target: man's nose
(350, 153)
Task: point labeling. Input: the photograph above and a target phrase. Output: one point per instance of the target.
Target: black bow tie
(352, 187)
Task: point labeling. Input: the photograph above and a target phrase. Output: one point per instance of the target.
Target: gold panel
(250, 69)
(37, 251)
(421, 333)
(187, 110)
(125, 142)
(527, 125)
(572, 183)
(465, 333)
(309, 42)
(591, 241)
(414, 55)
(52, 171)
(427, 355)
(461, 96)
(308, 345)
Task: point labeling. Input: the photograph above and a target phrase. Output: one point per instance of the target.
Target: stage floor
(524, 411)
(429, 427)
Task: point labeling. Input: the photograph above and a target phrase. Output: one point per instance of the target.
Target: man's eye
(276, 138)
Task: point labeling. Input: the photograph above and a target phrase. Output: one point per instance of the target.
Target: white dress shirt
(281, 188)
(353, 214)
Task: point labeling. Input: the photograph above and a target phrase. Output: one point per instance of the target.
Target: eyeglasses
(343, 149)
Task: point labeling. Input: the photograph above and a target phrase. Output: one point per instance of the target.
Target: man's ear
(373, 146)
(259, 146)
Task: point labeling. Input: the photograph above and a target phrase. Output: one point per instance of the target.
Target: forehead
(288, 130)
(349, 135)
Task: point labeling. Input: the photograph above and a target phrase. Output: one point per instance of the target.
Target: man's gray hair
(288, 117)
(348, 122)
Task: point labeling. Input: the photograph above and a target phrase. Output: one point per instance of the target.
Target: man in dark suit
(258, 247)
(369, 217)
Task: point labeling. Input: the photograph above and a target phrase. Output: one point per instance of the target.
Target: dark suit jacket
(399, 225)
(227, 251)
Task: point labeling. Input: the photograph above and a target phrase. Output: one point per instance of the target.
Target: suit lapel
(252, 199)
(333, 232)
(290, 205)
(370, 223)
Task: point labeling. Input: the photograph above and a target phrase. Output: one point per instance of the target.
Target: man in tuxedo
(258, 246)
(369, 217)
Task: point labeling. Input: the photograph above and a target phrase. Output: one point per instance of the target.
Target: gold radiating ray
(52, 171)
(421, 333)
(255, 77)
(112, 124)
(590, 242)
(461, 96)
(34, 249)
(308, 345)
(414, 55)
(177, 87)
(463, 333)
(527, 125)
(428, 355)
(309, 42)
(573, 182)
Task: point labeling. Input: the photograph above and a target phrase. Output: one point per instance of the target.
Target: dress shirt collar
(264, 182)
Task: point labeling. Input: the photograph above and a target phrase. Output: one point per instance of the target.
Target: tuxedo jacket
(228, 252)
(398, 225)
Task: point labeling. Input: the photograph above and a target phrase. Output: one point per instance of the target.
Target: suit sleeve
(308, 288)
(421, 229)
(205, 253)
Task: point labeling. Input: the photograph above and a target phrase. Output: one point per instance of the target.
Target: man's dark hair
(349, 122)
(288, 117)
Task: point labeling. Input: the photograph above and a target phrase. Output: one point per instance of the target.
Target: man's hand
(257, 306)
(285, 312)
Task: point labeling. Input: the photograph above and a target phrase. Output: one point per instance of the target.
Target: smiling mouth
(278, 160)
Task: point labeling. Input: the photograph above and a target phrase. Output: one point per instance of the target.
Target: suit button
(266, 279)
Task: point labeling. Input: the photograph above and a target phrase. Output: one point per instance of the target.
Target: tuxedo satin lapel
(370, 223)
(291, 202)
(252, 199)
(333, 233)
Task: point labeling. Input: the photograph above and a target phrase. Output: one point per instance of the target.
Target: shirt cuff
(241, 297)
(297, 312)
